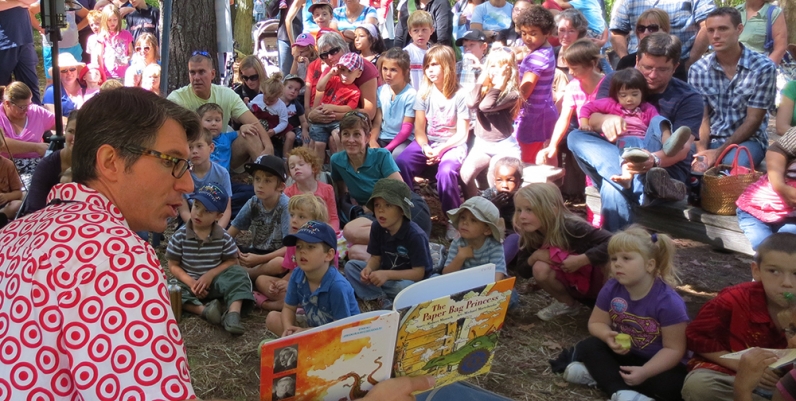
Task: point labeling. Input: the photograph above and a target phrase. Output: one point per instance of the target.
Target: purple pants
(412, 163)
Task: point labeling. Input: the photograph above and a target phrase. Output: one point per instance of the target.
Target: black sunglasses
(331, 52)
(255, 77)
(651, 28)
(71, 69)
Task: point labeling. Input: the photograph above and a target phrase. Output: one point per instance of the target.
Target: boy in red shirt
(740, 317)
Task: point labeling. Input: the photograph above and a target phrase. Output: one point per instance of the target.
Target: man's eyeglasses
(651, 28)
(331, 52)
(659, 70)
(201, 53)
(254, 77)
(70, 69)
(178, 166)
(139, 48)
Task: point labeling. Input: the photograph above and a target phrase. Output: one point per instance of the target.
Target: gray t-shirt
(442, 114)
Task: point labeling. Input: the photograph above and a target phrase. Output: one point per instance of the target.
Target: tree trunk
(193, 27)
(243, 25)
(789, 8)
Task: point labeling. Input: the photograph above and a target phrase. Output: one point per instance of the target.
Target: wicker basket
(719, 192)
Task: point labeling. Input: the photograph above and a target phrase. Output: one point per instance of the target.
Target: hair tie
(654, 237)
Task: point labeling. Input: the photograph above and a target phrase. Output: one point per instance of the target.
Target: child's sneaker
(629, 395)
(576, 373)
(676, 141)
(635, 155)
(212, 312)
(232, 323)
(557, 309)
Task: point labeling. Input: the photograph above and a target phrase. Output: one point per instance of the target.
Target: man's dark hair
(123, 118)
(661, 44)
(778, 242)
(732, 12)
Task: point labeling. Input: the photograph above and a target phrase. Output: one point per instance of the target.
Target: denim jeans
(757, 151)
(757, 231)
(368, 292)
(285, 57)
(600, 160)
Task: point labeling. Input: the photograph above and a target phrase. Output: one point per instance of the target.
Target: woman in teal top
(786, 117)
(754, 17)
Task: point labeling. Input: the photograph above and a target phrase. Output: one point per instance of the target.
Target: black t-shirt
(146, 20)
(15, 28)
(272, 10)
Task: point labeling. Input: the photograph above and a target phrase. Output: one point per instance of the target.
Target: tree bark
(243, 25)
(193, 27)
(789, 8)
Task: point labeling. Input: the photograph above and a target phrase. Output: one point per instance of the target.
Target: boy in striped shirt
(204, 258)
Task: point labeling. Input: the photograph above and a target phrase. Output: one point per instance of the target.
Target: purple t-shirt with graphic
(642, 319)
(537, 117)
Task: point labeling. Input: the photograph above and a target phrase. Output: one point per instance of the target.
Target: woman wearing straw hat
(72, 93)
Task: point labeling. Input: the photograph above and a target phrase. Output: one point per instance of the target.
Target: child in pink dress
(115, 42)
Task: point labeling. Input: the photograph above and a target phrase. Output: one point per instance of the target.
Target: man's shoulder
(757, 62)
(224, 93)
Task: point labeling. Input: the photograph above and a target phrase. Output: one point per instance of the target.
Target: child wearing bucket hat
(398, 247)
(480, 232)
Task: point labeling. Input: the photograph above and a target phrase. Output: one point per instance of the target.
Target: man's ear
(109, 163)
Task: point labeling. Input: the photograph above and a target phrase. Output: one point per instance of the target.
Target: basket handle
(748, 154)
(724, 153)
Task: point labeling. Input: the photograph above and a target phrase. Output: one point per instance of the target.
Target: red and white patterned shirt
(84, 309)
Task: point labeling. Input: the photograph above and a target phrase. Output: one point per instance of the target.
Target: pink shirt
(325, 192)
(39, 120)
(575, 97)
(637, 120)
(116, 53)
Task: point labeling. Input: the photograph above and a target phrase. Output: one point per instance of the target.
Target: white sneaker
(576, 373)
(557, 309)
(630, 395)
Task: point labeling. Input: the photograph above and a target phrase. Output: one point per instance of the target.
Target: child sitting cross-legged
(480, 233)
(398, 247)
(315, 286)
(204, 258)
(740, 317)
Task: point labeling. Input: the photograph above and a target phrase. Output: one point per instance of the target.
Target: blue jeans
(600, 160)
(368, 292)
(757, 151)
(757, 231)
(285, 57)
(21, 62)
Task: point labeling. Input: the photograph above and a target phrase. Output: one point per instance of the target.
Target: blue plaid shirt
(685, 17)
(753, 85)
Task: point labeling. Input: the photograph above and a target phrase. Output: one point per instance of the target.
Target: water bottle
(175, 295)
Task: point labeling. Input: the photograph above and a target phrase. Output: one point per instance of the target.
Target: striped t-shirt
(538, 115)
(197, 256)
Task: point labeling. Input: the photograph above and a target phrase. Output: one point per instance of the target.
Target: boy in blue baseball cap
(323, 293)
(204, 258)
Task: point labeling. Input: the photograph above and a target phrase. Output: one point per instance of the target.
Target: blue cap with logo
(212, 196)
(313, 232)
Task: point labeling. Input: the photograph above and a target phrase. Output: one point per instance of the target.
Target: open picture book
(786, 356)
(445, 326)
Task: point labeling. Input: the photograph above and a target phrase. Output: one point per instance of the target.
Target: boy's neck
(315, 277)
(203, 232)
(422, 47)
(397, 227)
(201, 169)
(476, 243)
(271, 201)
(308, 186)
(285, 100)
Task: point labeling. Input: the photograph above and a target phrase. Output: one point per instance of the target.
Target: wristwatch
(656, 161)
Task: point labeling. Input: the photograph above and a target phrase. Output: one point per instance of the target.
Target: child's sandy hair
(272, 87)
(548, 206)
(111, 84)
(207, 107)
(504, 57)
(658, 247)
(446, 59)
(94, 16)
(537, 16)
(308, 156)
(660, 16)
(107, 12)
(309, 203)
(420, 18)
(628, 78)
(150, 40)
(582, 53)
(356, 119)
(204, 136)
(400, 57)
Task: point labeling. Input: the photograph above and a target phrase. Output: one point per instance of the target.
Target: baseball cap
(395, 192)
(304, 39)
(475, 34)
(483, 210)
(313, 232)
(318, 3)
(269, 164)
(293, 77)
(212, 196)
(352, 61)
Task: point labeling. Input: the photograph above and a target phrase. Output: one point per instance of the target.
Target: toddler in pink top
(643, 131)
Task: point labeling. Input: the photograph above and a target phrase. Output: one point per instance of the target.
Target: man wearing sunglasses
(253, 141)
(687, 21)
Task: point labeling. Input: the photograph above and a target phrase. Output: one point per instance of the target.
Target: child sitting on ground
(206, 171)
(315, 286)
(270, 290)
(740, 317)
(204, 258)
(398, 247)
(563, 252)
(10, 191)
(266, 216)
(480, 233)
(646, 130)
(395, 116)
(295, 114)
(336, 92)
(505, 176)
(304, 167)
(269, 108)
(211, 116)
(640, 304)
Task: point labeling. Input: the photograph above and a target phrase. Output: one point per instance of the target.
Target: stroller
(266, 47)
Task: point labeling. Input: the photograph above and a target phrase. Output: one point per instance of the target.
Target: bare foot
(624, 180)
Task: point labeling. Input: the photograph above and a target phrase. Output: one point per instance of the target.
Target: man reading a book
(740, 317)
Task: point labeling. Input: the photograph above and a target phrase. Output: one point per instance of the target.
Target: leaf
(562, 384)
(552, 344)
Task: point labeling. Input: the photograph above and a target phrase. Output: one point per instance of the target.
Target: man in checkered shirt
(738, 87)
